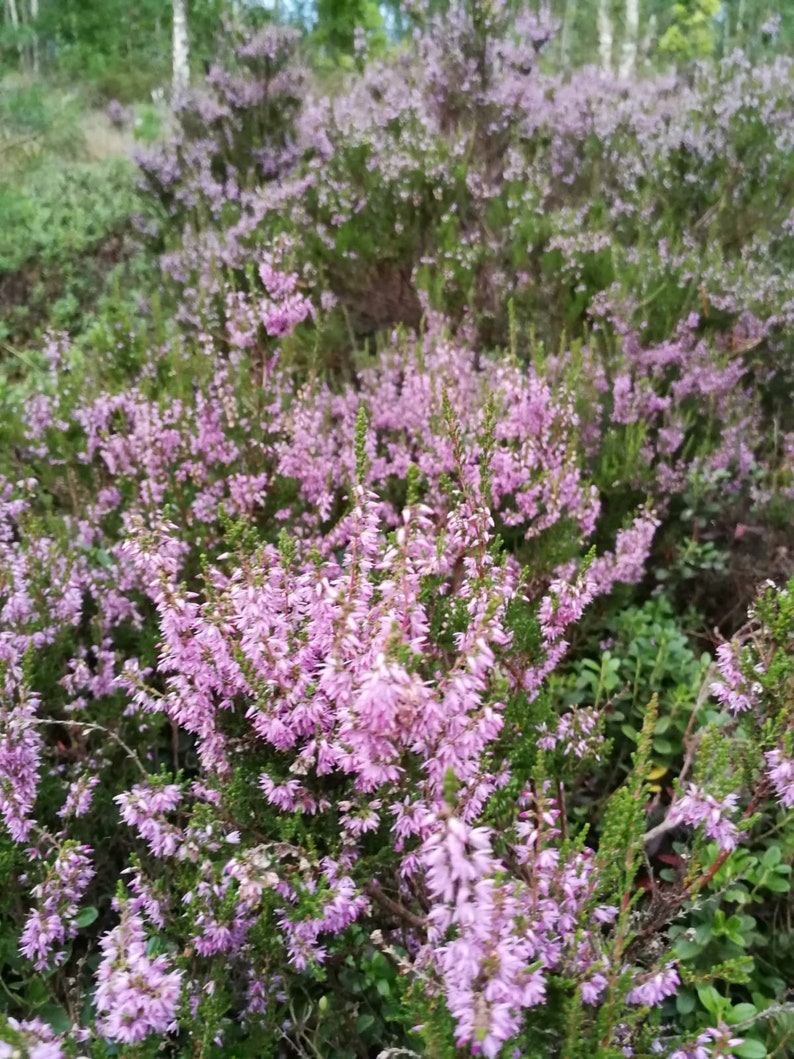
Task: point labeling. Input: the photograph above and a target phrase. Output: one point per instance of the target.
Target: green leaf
(365, 1022)
(751, 1049)
(685, 1002)
(771, 857)
(56, 1017)
(741, 1013)
(383, 987)
(86, 916)
(777, 884)
(153, 946)
(686, 949)
(710, 999)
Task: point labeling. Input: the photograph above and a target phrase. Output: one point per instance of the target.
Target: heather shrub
(475, 181)
(389, 778)
(378, 674)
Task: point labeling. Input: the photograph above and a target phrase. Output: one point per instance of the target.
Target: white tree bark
(180, 53)
(606, 35)
(34, 47)
(631, 32)
(648, 41)
(568, 17)
(13, 15)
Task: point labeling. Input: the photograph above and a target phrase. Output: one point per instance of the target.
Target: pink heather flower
(456, 856)
(576, 734)
(627, 564)
(341, 906)
(593, 989)
(696, 808)
(20, 748)
(78, 797)
(135, 995)
(278, 284)
(733, 690)
(781, 774)
(58, 898)
(655, 989)
(144, 806)
(40, 1040)
(42, 932)
(563, 605)
(281, 318)
(715, 1043)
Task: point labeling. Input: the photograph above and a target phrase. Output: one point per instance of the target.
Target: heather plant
(474, 181)
(344, 732)
(397, 700)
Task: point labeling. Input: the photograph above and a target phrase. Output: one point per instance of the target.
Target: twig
(19, 354)
(88, 726)
(374, 891)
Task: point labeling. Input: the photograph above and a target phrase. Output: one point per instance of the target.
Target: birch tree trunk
(34, 46)
(739, 31)
(13, 15)
(606, 35)
(648, 41)
(631, 32)
(180, 54)
(568, 17)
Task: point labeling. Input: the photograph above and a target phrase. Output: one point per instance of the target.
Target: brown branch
(373, 890)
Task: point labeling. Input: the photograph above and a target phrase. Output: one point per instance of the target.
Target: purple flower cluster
(696, 807)
(20, 747)
(714, 1043)
(52, 922)
(144, 807)
(39, 1040)
(494, 939)
(351, 695)
(733, 689)
(781, 775)
(136, 994)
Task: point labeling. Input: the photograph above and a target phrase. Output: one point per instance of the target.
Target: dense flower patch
(346, 704)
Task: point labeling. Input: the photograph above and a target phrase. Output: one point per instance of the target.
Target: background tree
(692, 32)
(180, 65)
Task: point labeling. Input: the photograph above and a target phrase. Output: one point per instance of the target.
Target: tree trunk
(13, 15)
(738, 35)
(606, 35)
(34, 45)
(648, 41)
(631, 32)
(568, 18)
(180, 66)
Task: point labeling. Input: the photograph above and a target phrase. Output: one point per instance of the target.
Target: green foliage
(36, 122)
(63, 231)
(123, 51)
(726, 918)
(647, 654)
(338, 21)
(691, 35)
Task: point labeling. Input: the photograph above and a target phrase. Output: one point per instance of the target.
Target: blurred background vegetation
(118, 49)
(82, 82)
